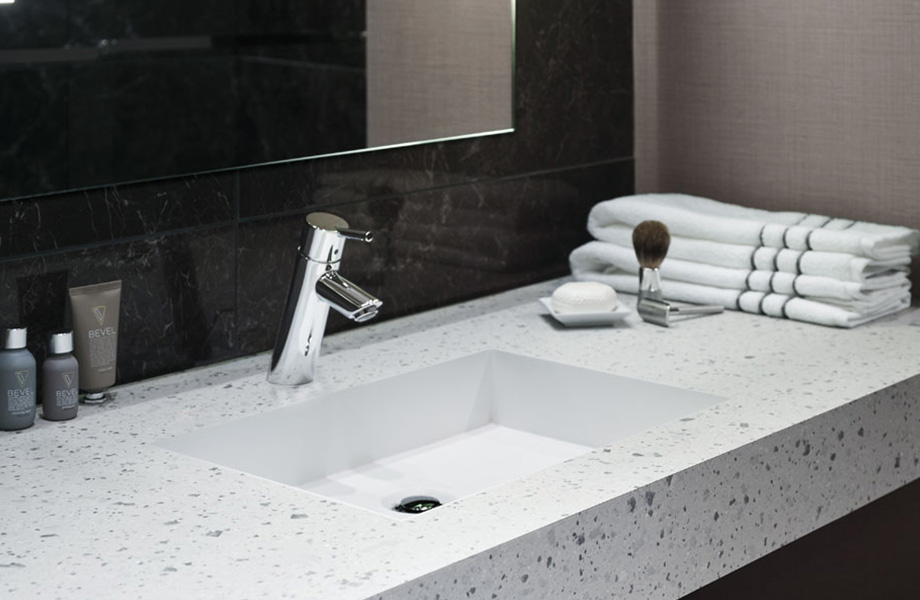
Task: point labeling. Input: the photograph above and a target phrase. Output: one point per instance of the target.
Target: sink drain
(417, 504)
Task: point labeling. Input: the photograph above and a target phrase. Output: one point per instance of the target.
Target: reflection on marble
(206, 260)
(435, 247)
(177, 306)
(266, 256)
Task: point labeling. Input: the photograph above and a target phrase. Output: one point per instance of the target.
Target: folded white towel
(705, 219)
(604, 257)
(774, 305)
(836, 265)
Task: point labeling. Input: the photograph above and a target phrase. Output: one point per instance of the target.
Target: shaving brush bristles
(650, 241)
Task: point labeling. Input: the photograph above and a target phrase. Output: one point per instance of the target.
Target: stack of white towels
(799, 266)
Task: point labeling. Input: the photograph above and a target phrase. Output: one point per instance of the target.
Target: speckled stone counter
(817, 423)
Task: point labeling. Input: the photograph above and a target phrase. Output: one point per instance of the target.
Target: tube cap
(14, 338)
(60, 342)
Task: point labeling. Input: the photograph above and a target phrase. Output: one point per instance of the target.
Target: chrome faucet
(315, 287)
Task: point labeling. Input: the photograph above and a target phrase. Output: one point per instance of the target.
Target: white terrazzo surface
(818, 422)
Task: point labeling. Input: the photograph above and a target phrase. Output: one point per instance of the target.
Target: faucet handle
(324, 234)
(356, 234)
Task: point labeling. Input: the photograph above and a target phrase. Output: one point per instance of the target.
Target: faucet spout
(347, 298)
(315, 286)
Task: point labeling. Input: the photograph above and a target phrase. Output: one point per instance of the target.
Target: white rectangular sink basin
(445, 431)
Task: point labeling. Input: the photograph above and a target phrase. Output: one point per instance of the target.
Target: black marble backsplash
(205, 260)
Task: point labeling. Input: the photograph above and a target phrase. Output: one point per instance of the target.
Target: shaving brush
(650, 241)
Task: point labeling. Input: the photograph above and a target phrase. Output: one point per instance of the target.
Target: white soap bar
(584, 297)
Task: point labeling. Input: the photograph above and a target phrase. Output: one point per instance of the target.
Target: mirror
(114, 91)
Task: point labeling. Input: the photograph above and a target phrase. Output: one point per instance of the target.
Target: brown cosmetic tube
(95, 336)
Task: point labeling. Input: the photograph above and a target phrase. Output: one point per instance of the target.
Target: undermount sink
(445, 431)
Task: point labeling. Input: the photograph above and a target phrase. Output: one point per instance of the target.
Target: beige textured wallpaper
(809, 105)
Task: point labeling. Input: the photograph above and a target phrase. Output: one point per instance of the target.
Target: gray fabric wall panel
(809, 105)
(465, 56)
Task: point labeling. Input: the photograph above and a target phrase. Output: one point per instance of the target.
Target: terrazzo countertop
(817, 423)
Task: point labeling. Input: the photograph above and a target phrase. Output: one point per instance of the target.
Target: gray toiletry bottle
(17, 381)
(60, 387)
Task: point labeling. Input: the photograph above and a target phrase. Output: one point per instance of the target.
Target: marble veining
(508, 208)
(431, 247)
(80, 219)
(818, 422)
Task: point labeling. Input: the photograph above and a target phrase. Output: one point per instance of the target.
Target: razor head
(654, 311)
(659, 312)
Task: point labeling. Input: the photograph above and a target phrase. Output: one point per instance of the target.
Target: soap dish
(586, 319)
